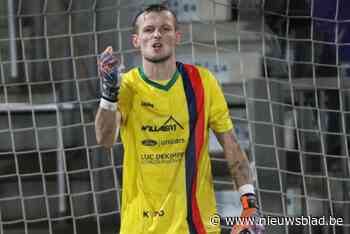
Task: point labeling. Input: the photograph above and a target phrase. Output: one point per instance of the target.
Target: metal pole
(12, 38)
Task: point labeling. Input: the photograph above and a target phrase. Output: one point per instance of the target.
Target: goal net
(284, 69)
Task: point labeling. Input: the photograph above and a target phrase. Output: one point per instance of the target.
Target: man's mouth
(157, 45)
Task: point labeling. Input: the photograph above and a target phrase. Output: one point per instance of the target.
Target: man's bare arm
(240, 170)
(106, 117)
(237, 160)
(105, 127)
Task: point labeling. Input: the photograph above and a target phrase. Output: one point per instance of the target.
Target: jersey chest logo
(170, 125)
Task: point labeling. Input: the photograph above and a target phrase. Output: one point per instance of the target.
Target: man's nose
(157, 33)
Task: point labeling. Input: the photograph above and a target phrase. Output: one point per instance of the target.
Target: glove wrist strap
(108, 105)
(246, 188)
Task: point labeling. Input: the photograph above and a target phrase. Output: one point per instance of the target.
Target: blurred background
(284, 66)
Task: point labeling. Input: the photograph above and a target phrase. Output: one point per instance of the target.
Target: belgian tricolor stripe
(194, 92)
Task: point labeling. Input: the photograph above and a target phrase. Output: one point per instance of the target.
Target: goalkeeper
(166, 108)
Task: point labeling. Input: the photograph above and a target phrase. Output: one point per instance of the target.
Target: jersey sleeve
(219, 117)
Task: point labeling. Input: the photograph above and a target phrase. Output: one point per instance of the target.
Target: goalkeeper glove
(249, 217)
(109, 73)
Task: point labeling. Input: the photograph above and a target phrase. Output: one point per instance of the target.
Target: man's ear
(135, 40)
(178, 37)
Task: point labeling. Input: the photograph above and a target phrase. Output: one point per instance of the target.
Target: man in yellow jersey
(166, 110)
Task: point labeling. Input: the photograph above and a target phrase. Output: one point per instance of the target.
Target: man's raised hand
(108, 69)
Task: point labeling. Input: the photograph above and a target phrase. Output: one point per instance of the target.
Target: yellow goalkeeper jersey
(167, 180)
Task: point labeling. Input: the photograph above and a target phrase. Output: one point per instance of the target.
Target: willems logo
(170, 125)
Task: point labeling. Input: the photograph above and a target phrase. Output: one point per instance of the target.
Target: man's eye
(147, 30)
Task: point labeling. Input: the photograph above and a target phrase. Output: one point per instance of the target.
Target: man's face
(156, 36)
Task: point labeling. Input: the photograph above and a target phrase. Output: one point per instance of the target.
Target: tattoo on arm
(238, 163)
(240, 172)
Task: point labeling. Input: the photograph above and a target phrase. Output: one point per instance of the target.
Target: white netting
(283, 66)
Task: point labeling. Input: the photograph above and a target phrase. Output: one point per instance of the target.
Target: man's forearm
(106, 117)
(105, 127)
(239, 167)
(238, 163)
(240, 170)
